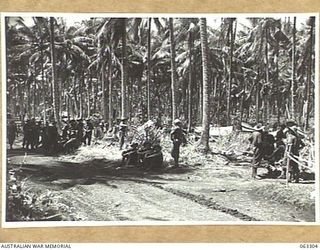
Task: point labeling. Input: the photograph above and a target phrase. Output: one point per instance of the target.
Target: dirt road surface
(103, 190)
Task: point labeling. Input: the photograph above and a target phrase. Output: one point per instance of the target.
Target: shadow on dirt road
(45, 169)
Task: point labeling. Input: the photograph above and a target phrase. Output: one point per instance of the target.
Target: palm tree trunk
(124, 73)
(88, 95)
(190, 42)
(266, 96)
(242, 101)
(173, 71)
(43, 84)
(309, 73)
(231, 36)
(204, 52)
(258, 99)
(81, 93)
(34, 92)
(103, 87)
(55, 86)
(293, 76)
(110, 90)
(149, 70)
(219, 89)
(200, 99)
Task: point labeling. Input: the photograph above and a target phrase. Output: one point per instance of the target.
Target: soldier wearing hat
(130, 156)
(294, 145)
(88, 128)
(256, 142)
(178, 138)
(122, 132)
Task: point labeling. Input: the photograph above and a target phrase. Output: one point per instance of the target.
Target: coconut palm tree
(204, 52)
(55, 85)
(174, 83)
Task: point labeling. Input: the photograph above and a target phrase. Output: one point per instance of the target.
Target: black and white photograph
(159, 119)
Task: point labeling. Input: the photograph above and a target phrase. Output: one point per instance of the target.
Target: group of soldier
(45, 135)
(273, 149)
(266, 146)
(78, 132)
(149, 156)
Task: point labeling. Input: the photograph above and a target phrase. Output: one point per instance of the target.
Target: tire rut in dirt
(207, 203)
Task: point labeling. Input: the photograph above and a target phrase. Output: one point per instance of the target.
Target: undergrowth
(25, 205)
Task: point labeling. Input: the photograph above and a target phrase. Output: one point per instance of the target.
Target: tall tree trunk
(231, 39)
(204, 53)
(219, 89)
(200, 90)
(293, 76)
(276, 83)
(309, 73)
(149, 70)
(124, 73)
(110, 90)
(89, 83)
(34, 92)
(55, 86)
(243, 96)
(258, 99)
(81, 77)
(266, 95)
(190, 42)
(174, 84)
(103, 87)
(43, 83)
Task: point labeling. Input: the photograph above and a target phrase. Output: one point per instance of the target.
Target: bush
(24, 205)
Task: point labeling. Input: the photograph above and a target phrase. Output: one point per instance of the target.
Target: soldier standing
(12, 132)
(80, 130)
(178, 138)
(294, 145)
(257, 143)
(53, 137)
(88, 128)
(122, 132)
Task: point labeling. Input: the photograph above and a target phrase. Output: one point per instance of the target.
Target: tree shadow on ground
(63, 175)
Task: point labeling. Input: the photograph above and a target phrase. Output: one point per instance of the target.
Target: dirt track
(101, 190)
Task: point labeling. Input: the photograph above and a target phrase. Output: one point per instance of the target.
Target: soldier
(130, 156)
(45, 136)
(278, 153)
(65, 132)
(33, 133)
(79, 129)
(12, 132)
(122, 132)
(154, 159)
(178, 138)
(73, 129)
(53, 137)
(88, 128)
(26, 134)
(256, 142)
(294, 145)
(280, 136)
(144, 151)
(37, 132)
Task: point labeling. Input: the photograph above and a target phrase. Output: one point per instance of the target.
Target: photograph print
(160, 119)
